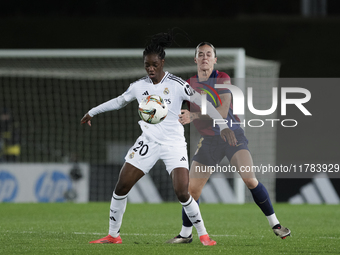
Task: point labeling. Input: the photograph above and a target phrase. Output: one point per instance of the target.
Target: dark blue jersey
(205, 127)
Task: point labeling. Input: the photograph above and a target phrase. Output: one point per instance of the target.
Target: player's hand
(228, 134)
(184, 117)
(86, 119)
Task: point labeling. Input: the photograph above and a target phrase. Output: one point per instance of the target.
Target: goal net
(48, 91)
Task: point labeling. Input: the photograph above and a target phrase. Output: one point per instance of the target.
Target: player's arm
(186, 116)
(113, 104)
(225, 131)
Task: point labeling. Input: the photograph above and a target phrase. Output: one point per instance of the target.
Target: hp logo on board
(52, 186)
(8, 187)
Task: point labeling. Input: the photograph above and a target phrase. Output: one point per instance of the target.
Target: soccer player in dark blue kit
(212, 149)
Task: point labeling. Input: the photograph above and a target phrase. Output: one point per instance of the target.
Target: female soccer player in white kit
(164, 141)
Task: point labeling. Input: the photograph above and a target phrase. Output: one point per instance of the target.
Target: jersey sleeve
(223, 78)
(187, 91)
(196, 98)
(115, 103)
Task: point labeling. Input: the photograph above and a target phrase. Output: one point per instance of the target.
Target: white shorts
(145, 153)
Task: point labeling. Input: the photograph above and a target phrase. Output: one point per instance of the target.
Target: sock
(117, 209)
(261, 198)
(193, 212)
(273, 221)
(187, 224)
(185, 231)
(185, 219)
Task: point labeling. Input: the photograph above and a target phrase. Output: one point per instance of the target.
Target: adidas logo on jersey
(146, 93)
(183, 159)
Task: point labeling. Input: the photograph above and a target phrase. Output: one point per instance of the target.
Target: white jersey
(174, 91)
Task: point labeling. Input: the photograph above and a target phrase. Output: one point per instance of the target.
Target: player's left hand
(86, 119)
(184, 117)
(228, 134)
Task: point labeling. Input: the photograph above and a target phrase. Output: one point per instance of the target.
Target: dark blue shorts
(212, 149)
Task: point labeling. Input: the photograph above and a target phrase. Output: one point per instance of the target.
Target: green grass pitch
(66, 228)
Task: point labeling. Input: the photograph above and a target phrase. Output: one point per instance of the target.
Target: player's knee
(122, 190)
(182, 195)
(251, 183)
(195, 193)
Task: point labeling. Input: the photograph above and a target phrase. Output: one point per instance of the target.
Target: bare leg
(180, 181)
(128, 177)
(197, 179)
(243, 158)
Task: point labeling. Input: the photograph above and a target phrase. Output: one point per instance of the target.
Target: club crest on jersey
(132, 154)
(166, 91)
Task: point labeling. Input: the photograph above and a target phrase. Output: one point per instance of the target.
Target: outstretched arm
(113, 104)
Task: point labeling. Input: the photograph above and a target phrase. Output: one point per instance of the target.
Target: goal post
(49, 90)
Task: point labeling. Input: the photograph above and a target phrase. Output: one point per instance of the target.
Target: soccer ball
(152, 109)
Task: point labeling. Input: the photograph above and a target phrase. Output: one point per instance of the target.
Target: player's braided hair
(158, 43)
